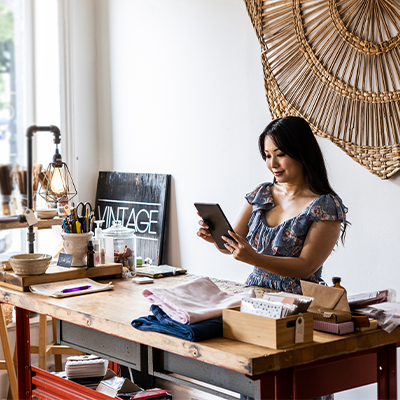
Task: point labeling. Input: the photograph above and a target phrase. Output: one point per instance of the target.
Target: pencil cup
(76, 245)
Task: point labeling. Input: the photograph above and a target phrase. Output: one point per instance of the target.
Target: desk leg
(114, 367)
(23, 354)
(272, 385)
(387, 376)
(284, 387)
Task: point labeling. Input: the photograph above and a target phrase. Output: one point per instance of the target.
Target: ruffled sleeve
(260, 198)
(327, 208)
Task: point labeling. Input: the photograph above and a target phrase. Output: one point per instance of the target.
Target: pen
(78, 227)
(76, 289)
(74, 216)
(87, 221)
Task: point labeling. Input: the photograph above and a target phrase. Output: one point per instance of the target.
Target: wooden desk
(100, 323)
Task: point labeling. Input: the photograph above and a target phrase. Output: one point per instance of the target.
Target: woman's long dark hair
(294, 137)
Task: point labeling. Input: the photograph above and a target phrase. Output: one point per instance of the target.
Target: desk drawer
(112, 348)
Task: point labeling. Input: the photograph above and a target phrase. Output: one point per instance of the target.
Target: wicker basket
(336, 64)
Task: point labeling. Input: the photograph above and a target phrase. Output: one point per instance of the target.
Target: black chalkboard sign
(64, 260)
(141, 203)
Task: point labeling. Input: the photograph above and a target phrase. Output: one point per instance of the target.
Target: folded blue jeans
(162, 323)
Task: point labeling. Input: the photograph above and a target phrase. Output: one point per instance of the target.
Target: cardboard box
(264, 331)
(339, 329)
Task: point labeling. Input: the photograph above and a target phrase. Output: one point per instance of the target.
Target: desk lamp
(57, 176)
(56, 186)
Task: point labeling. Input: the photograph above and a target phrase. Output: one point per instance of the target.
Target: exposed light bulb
(57, 184)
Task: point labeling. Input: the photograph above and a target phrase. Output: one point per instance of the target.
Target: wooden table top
(112, 312)
(40, 224)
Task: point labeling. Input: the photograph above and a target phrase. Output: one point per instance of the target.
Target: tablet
(218, 224)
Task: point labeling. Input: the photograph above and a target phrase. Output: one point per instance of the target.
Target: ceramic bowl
(30, 264)
(46, 213)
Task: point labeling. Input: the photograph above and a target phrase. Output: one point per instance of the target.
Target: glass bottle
(96, 247)
(90, 254)
(336, 282)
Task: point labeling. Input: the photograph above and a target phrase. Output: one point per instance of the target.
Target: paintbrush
(6, 187)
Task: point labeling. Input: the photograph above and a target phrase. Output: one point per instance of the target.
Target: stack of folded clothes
(85, 367)
(191, 311)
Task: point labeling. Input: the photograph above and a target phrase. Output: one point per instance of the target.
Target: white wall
(180, 91)
(187, 98)
(78, 93)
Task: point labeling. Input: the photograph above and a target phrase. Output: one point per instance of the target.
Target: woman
(288, 228)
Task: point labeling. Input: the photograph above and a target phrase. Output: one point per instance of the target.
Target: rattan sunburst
(336, 63)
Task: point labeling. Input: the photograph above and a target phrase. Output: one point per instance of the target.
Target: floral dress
(286, 239)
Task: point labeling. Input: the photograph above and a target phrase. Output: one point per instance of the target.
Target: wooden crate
(264, 331)
(57, 274)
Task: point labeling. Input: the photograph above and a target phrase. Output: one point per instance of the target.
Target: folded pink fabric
(194, 301)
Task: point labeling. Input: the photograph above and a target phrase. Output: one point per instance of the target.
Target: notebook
(154, 271)
(69, 288)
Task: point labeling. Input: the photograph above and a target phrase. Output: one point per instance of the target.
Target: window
(29, 94)
(8, 98)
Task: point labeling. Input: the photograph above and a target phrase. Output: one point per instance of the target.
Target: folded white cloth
(194, 301)
(85, 366)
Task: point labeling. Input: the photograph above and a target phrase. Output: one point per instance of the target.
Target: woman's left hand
(239, 248)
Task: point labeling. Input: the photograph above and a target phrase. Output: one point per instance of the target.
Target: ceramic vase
(76, 245)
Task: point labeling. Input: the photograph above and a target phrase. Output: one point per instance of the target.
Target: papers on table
(276, 305)
(72, 287)
(261, 307)
(300, 302)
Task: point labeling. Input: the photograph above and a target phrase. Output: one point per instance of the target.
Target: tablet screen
(218, 224)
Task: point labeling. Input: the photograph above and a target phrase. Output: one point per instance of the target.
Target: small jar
(5, 201)
(336, 282)
(102, 256)
(96, 248)
(124, 240)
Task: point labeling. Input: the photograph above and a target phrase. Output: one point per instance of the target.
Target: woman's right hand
(204, 232)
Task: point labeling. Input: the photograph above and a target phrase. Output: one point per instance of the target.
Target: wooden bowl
(46, 213)
(30, 264)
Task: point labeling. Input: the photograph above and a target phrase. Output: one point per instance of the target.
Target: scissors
(86, 214)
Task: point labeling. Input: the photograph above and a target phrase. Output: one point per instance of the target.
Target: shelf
(41, 224)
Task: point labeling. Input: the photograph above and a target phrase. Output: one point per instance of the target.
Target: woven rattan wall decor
(336, 63)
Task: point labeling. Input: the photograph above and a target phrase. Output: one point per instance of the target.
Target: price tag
(30, 217)
(64, 260)
(63, 209)
(299, 332)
